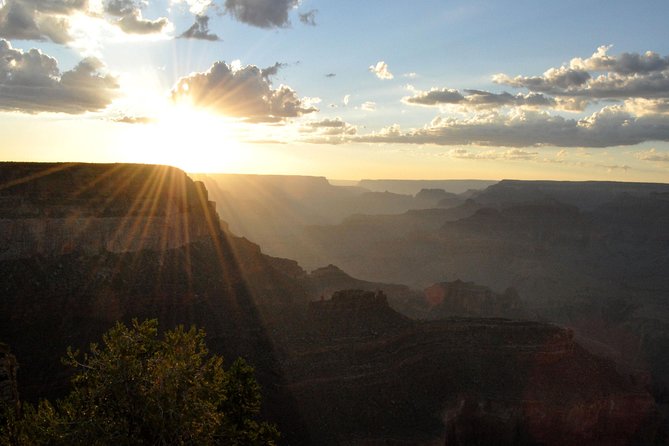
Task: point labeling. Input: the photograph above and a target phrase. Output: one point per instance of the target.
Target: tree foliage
(139, 389)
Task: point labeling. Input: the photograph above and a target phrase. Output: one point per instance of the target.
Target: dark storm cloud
(243, 93)
(31, 82)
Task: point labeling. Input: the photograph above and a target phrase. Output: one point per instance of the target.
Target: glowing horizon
(437, 91)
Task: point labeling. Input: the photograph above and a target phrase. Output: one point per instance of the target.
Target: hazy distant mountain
(586, 195)
(412, 187)
(273, 210)
(594, 256)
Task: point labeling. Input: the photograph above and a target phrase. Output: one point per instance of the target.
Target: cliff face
(460, 298)
(129, 242)
(53, 209)
(346, 371)
(457, 382)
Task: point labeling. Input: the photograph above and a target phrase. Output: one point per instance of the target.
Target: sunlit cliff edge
(52, 209)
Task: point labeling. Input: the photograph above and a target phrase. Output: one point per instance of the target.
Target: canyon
(336, 366)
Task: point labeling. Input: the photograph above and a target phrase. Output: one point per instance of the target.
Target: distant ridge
(412, 187)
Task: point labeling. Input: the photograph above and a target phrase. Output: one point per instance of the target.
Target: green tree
(139, 389)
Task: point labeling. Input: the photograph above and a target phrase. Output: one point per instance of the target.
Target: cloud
(309, 17)
(368, 106)
(641, 106)
(601, 76)
(330, 74)
(133, 23)
(31, 82)
(330, 127)
(611, 126)
(244, 93)
(328, 131)
(653, 155)
(38, 19)
(134, 120)
(199, 30)
(381, 70)
(261, 13)
(272, 70)
(197, 7)
(510, 154)
(478, 99)
(435, 96)
(346, 99)
(130, 20)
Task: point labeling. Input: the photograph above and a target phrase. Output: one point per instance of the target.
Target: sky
(348, 89)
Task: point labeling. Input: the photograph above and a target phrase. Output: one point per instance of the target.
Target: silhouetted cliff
(53, 209)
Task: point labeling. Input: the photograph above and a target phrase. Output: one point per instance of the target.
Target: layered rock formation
(456, 382)
(346, 371)
(53, 209)
(460, 298)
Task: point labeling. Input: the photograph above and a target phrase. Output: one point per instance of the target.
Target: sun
(189, 138)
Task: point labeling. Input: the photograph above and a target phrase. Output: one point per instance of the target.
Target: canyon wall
(54, 209)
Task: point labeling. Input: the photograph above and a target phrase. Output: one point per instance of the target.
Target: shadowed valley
(343, 360)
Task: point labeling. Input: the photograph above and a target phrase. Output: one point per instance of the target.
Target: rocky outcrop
(323, 283)
(54, 209)
(354, 314)
(460, 298)
(458, 382)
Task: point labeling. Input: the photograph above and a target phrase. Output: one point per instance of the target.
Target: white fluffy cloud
(601, 76)
(636, 84)
(31, 82)
(244, 93)
(381, 70)
(129, 17)
(612, 126)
